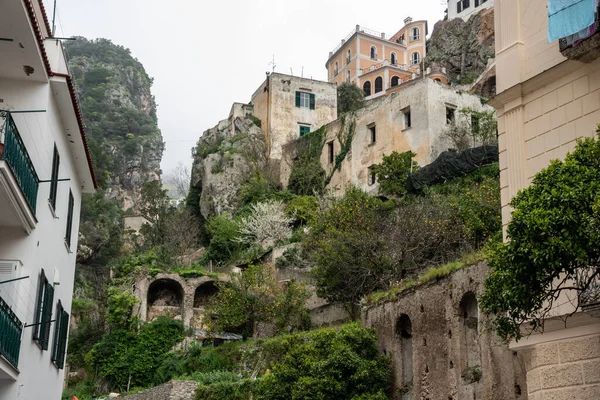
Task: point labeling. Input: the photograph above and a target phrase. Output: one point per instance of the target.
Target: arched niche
(469, 325)
(204, 293)
(165, 296)
(404, 334)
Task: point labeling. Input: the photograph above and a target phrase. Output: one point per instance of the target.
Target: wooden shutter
(459, 7)
(46, 316)
(312, 101)
(54, 177)
(7, 292)
(57, 324)
(69, 219)
(39, 306)
(64, 330)
(297, 99)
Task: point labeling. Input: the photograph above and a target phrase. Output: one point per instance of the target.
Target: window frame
(459, 8)
(398, 81)
(407, 118)
(303, 127)
(373, 53)
(336, 69)
(331, 152)
(418, 58)
(69, 225)
(372, 176)
(61, 328)
(54, 178)
(450, 114)
(43, 312)
(414, 37)
(370, 88)
(372, 133)
(301, 97)
(348, 57)
(393, 58)
(379, 80)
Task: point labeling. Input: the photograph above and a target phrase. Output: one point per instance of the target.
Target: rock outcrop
(224, 159)
(463, 48)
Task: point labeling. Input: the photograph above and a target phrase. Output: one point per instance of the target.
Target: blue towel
(566, 17)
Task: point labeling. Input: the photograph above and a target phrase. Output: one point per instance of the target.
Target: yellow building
(379, 63)
(546, 99)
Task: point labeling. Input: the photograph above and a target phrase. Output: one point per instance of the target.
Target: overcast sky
(205, 55)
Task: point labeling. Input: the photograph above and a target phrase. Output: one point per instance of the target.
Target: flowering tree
(267, 224)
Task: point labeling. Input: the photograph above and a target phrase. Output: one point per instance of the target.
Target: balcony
(10, 335)
(18, 178)
(586, 48)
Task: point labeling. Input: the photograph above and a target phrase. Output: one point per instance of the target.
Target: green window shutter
(69, 219)
(39, 306)
(46, 316)
(297, 99)
(312, 101)
(59, 347)
(54, 177)
(57, 325)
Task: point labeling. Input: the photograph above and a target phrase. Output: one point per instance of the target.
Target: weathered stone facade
(175, 296)
(174, 390)
(440, 347)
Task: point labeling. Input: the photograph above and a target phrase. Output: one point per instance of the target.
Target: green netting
(452, 165)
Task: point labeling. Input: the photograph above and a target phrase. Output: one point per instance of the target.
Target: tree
(393, 172)
(267, 224)
(254, 296)
(180, 179)
(553, 245)
(350, 97)
(472, 128)
(155, 208)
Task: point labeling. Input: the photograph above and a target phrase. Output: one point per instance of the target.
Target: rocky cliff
(464, 48)
(120, 116)
(224, 158)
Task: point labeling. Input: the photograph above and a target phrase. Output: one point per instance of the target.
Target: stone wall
(440, 347)
(174, 390)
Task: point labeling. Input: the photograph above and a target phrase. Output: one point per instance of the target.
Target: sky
(206, 55)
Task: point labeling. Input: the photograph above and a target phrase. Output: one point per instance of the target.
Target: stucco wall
(444, 343)
(427, 101)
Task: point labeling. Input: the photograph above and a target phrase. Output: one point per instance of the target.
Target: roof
(40, 39)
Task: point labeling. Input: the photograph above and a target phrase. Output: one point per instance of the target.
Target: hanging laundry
(567, 17)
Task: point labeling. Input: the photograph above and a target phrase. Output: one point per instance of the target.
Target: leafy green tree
(393, 172)
(307, 177)
(254, 296)
(155, 208)
(553, 244)
(350, 97)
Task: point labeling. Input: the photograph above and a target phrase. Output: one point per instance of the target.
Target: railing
(360, 29)
(10, 334)
(15, 154)
(386, 63)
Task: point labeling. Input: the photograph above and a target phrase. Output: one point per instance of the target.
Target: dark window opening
(372, 176)
(378, 84)
(304, 130)
(69, 219)
(466, 4)
(373, 53)
(330, 152)
(367, 88)
(204, 293)
(404, 333)
(475, 124)
(395, 81)
(407, 119)
(450, 111)
(459, 7)
(373, 132)
(61, 327)
(54, 178)
(43, 312)
(393, 59)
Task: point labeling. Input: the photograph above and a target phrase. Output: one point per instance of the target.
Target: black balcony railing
(10, 334)
(13, 151)
(584, 50)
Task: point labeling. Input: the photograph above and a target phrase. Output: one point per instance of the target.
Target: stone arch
(367, 88)
(165, 297)
(469, 327)
(378, 84)
(204, 292)
(404, 334)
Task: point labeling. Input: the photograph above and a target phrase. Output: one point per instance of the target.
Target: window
(373, 133)
(304, 129)
(61, 328)
(367, 88)
(476, 3)
(69, 219)
(450, 114)
(305, 100)
(415, 58)
(415, 34)
(459, 7)
(394, 59)
(348, 58)
(407, 120)
(348, 76)
(466, 4)
(475, 127)
(373, 53)
(54, 178)
(335, 71)
(330, 152)
(43, 312)
(372, 177)
(395, 81)
(378, 84)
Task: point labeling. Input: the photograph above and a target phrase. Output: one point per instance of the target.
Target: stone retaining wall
(174, 390)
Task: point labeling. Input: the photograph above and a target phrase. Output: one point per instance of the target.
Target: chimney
(382, 35)
(357, 28)
(408, 20)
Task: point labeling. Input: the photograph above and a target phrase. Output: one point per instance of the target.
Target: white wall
(45, 246)
(466, 14)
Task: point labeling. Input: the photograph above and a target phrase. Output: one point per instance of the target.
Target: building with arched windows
(373, 60)
(465, 8)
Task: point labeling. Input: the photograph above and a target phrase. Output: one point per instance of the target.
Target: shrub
(393, 172)
(303, 209)
(350, 97)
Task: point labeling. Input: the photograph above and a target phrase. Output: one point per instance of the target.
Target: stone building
(290, 106)
(546, 99)
(377, 62)
(439, 345)
(413, 119)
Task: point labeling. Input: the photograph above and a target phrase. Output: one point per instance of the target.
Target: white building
(45, 166)
(465, 8)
